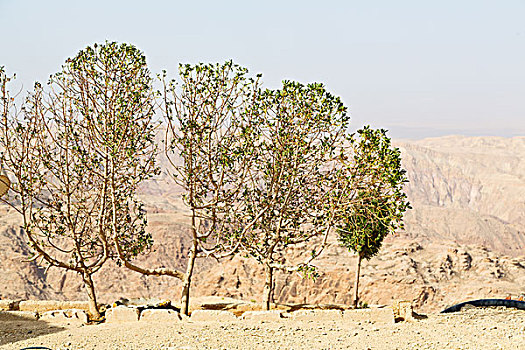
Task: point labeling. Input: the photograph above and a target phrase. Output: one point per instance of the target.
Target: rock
(121, 314)
(403, 310)
(144, 303)
(375, 315)
(160, 315)
(71, 316)
(9, 305)
(212, 315)
(272, 315)
(317, 315)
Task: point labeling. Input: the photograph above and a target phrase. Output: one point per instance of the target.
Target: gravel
(490, 328)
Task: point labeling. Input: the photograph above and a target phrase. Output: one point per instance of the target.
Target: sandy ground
(495, 328)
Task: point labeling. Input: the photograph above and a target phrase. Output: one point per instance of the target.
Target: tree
(372, 201)
(209, 144)
(287, 198)
(77, 153)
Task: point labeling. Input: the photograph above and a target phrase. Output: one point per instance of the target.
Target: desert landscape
(180, 175)
(463, 240)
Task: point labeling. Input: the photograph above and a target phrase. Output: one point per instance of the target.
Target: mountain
(469, 190)
(464, 239)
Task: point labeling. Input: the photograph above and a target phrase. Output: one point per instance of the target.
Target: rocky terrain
(464, 239)
(468, 190)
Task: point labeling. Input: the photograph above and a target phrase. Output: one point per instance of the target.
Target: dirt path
(471, 329)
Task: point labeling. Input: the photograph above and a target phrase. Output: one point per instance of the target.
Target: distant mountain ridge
(468, 189)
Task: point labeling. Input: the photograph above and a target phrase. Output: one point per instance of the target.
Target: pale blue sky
(418, 68)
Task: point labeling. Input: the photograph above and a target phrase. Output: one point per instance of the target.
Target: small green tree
(299, 128)
(371, 197)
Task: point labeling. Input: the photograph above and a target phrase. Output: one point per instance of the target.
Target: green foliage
(362, 305)
(261, 170)
(285, 201)
(374, 179)
(298, 128)
(114, 96)
(365, 227)
(210, 144)
(210, 141)
(77, 151)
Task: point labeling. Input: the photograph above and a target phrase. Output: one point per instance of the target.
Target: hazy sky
(418, 68)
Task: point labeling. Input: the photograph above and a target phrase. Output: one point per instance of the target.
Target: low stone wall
(75, 312)
(51, 311)
(373, 315)
(71, 316)
(213, 316)
(159, 315)
(61, 317)
(41, 306)
(121, 314)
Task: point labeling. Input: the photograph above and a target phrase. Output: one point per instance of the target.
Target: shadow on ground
(15, 328)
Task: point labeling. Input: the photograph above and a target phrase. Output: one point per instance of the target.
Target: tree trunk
(90, 288)
(268, 286)
(356, 284)
(185, 299)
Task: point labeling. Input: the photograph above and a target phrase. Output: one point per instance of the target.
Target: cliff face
(468, 190)
(465, 238)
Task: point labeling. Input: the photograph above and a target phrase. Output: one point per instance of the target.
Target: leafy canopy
(375, 173)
